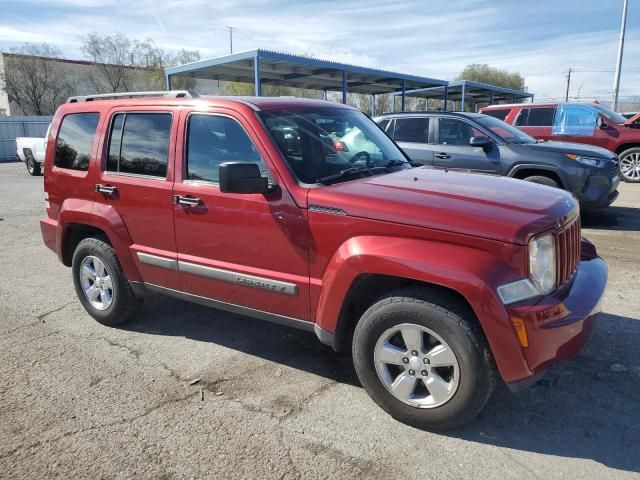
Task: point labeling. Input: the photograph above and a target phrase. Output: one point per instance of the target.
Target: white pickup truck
(31, 151)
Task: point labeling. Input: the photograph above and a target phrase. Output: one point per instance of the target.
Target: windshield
(321, 144)
(505, 131)
(610, 114)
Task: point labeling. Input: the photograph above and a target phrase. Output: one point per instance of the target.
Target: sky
(540, 39)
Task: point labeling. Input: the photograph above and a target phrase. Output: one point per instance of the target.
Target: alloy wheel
(416, 366)
(630, 166)
(96, 283)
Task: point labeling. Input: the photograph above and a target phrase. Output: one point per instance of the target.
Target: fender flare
(471, 272)
(103, 217)
(535, 166)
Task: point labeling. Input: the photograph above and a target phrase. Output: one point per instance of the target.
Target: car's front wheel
(543, 180)
(629, 165)
(422, 362)
(100, 284)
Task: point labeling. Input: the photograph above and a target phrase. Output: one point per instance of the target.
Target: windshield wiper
(395, 163)
(349, 172)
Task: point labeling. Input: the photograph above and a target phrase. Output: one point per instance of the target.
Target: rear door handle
(108, 189)
(187, 201)
(443, 155)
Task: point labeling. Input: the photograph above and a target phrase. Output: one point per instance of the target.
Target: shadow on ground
(582, 409)
(612, 218)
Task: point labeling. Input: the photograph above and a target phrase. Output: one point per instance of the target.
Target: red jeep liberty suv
(305, 213)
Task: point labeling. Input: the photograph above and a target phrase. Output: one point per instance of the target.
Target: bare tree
(113, 56)
(129, 64)
(33, 80)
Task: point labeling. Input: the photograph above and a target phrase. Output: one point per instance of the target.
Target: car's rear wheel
(422, 362)
(543, 180)
(629, 164)
(100, 284)
(33, 167)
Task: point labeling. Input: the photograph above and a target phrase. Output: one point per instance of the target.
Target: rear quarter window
(500, 114)
(75, 139)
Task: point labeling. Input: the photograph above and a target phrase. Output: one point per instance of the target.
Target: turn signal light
(518, 324)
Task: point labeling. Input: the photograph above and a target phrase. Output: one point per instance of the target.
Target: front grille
(568, 250)
(613, 169)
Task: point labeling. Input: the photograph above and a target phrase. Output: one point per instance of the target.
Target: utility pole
(616, 80)
(231, 29)
(566, 96)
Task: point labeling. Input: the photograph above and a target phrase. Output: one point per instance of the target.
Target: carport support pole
(256, 74)
(491, 98)
(426, 104)
(373, 105)
(513, 99)
(404, 94)
(168, 79)
(462, 98)
(344, 86)
(446, 97)
(324, 94)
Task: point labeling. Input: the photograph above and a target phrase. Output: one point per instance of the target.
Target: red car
(439, 282)
(594, 124)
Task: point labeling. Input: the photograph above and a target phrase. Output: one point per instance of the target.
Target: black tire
(456, 325)
(543, 180)
(33, 167)
(634, 157)
(125, 303)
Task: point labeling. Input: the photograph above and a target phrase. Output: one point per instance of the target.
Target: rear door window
(499, 114)
(536, 117)
(139, 144)
(75, 139)
(414, 130)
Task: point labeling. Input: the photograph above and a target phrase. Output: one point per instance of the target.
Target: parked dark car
(482, 143)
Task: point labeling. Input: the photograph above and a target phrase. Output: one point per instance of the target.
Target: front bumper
(598, 191)
(558, 325)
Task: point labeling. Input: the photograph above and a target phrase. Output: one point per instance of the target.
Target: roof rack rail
(107, 96)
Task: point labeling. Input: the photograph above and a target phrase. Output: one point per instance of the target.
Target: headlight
(542, 263)
(591, 161)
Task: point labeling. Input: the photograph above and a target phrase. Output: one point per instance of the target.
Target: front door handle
(443, 155)
(187, 201)
(108, 189)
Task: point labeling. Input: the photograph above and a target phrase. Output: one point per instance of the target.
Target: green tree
(494, 76)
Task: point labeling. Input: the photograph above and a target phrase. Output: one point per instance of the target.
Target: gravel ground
(79, 400)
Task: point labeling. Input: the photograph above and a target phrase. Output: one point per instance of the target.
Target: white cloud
(436, 38)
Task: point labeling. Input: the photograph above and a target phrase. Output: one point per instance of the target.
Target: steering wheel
(360, 156)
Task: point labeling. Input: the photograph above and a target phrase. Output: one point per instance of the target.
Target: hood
(633, 120)
(488, 206)
(569, 147)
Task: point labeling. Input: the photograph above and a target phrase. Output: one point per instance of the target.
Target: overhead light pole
(616, 81)
(231, 29)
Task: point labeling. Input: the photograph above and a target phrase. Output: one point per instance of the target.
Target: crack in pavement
(145, 413)
(39, 320)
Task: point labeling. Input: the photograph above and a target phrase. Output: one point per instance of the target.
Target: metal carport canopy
(464, 90)
(265, 67)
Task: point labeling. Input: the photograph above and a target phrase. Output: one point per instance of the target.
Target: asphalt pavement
(190, 392)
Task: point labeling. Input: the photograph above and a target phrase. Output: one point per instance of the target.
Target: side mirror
(602, 125)
(239, 177)
(485, 142)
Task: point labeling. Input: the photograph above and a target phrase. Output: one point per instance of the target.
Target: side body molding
(105, 218)
(471, 272)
